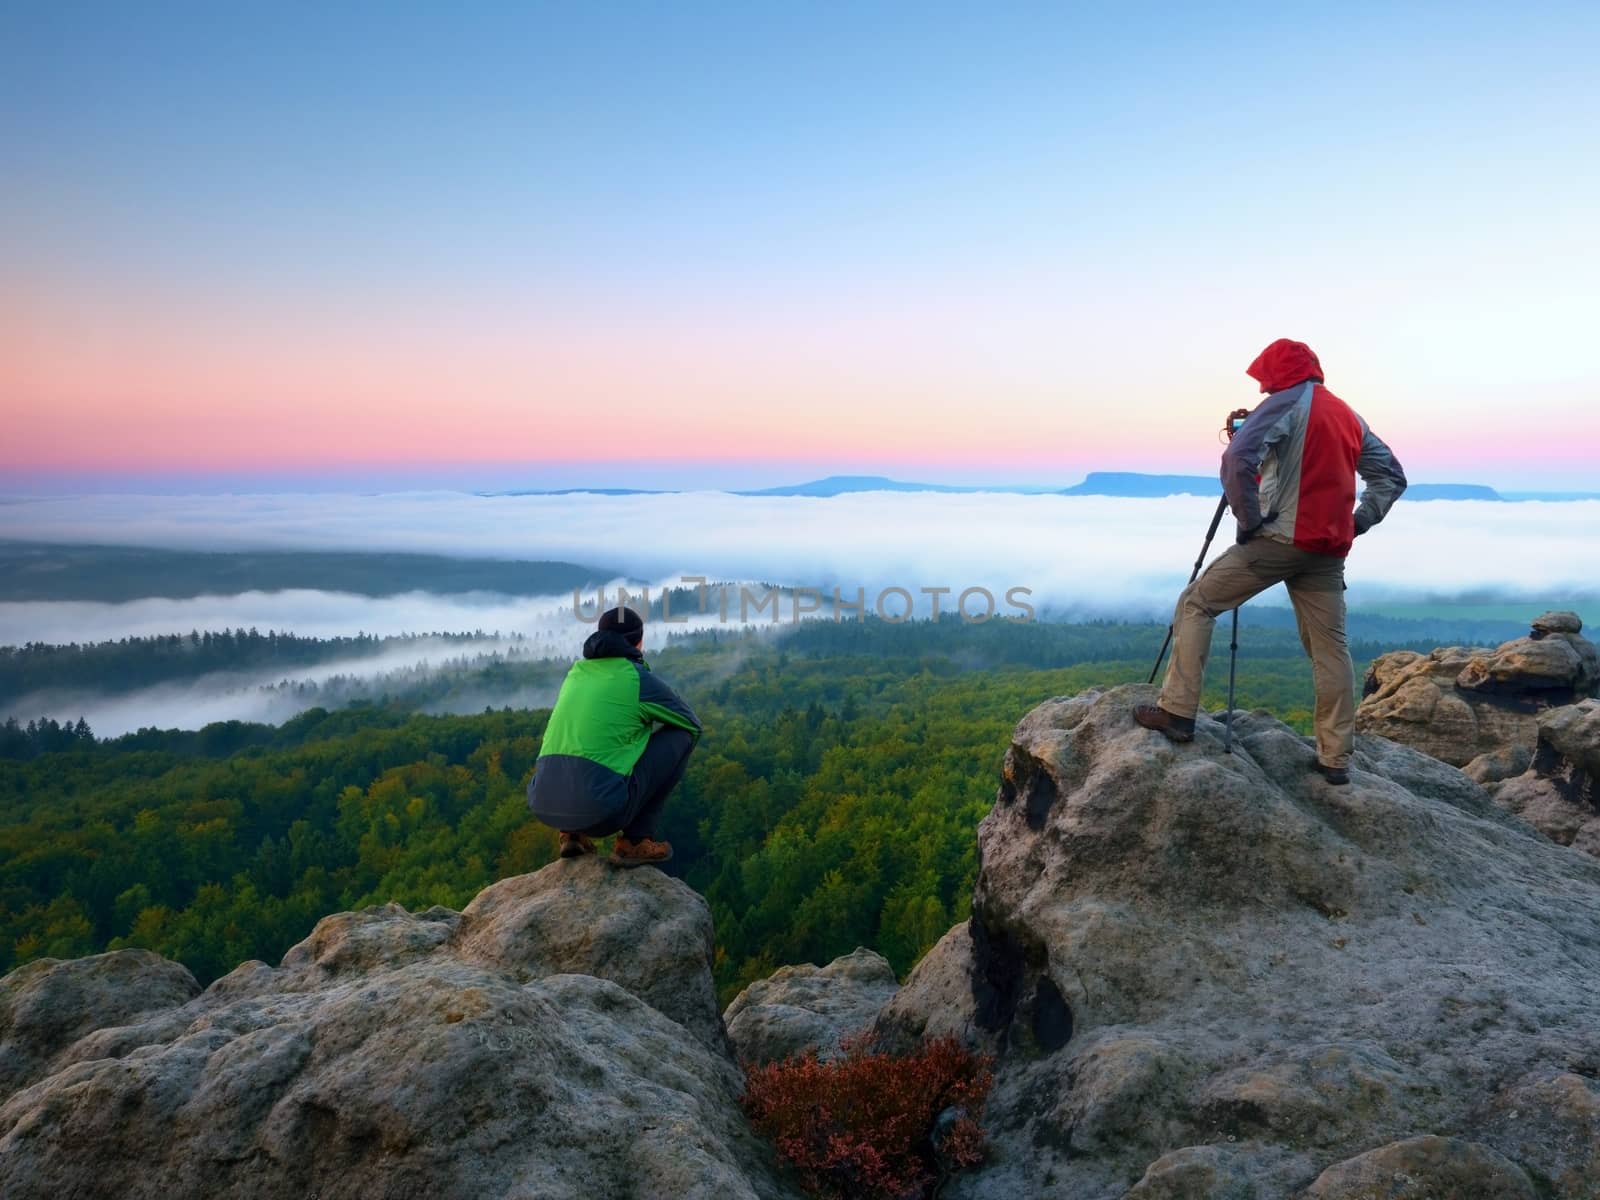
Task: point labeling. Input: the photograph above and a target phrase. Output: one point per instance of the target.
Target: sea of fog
(1082, 554)
(1074, 557)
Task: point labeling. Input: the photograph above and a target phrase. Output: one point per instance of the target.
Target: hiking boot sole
(639, 862)
(1159, 722)
(575, 847)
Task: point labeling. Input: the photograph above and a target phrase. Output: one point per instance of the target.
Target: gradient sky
(491, 245)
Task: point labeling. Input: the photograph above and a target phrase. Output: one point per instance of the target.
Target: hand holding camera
(1233, 424)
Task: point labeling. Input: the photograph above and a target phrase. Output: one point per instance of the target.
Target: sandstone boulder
(559, 1038)
(1458, 704)
(805, 1006)
(1556, 622)
(1560, 666)
(642, 930)
(48, 1005)
(1215, 975)
(1572, 733)
(1558, 793)
(1493, 766)
(936, 999)
(1423, 1168)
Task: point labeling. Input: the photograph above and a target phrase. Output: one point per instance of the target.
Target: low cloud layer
(305, 612)
(1089, 555)
(548, 623)
(546, 626)
(258, 695)
(1077, 556)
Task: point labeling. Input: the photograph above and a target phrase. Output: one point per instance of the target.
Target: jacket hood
(1284, 364)
(608, 643)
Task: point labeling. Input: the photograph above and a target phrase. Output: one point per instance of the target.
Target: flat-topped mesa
(1211, 974)
(1457, 703)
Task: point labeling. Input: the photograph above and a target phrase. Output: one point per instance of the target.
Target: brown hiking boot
(644, 852)
(575, 845)
(1338, 776)
(1153, 716)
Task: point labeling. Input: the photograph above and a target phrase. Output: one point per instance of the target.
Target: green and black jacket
(607, 708)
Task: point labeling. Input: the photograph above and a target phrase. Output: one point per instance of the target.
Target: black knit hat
(624, 621)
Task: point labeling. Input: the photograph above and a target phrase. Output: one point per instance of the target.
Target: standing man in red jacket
(1289, 475)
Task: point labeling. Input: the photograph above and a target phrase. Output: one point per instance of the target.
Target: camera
(1235, 422)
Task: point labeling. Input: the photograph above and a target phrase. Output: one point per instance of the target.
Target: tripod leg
(1161, 656)
(1211, 532)
(1233, 658)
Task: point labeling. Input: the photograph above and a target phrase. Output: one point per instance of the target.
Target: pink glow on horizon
(1011, 247)
(91, 381)
(107, 398)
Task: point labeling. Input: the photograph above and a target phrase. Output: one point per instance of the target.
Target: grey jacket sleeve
(1241, 461)
(1380, 470)
(660, 703)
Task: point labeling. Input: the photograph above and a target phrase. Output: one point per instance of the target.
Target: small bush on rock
(873, 1126)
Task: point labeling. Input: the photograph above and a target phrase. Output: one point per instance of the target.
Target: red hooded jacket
(1290, 471)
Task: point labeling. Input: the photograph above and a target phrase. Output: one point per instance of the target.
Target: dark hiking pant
(1316, 589)
(657, 772)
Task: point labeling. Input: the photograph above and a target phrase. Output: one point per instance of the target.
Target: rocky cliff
(1216, 976)
(1203, 976)
(558, 1038)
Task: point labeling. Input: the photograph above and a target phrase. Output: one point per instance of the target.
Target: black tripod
(1233, 645)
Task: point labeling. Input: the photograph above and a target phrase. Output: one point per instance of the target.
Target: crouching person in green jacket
(617, 743)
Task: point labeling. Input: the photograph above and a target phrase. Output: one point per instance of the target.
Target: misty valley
(799, 602)
(844, 770)
(204, 752)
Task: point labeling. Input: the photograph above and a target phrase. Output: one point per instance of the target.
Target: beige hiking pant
(1316, 588)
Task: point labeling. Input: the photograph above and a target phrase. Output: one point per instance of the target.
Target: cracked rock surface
(1208, 975)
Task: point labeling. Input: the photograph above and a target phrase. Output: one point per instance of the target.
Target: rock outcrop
(558, 1038)
(937, 999)
(46, 1007)
(1458, 704)
(1208, 975)
(1558, 789)
(807, 1007)
(1202, 976)
(1520, 720)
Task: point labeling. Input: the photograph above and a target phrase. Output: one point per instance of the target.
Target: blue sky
(402, 242)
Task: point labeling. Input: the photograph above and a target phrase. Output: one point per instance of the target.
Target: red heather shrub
(862, 1127)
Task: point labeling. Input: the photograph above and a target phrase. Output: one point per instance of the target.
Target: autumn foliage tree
(870, 1125)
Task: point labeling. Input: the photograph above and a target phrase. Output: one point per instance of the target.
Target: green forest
(131, 663)
(46, 571)
(833, 801)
